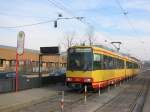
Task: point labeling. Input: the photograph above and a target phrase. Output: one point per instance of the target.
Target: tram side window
(118, 63)
(136, 65)
(121, 64)
(115, 63)
(111, 63)
(97, 62)
(129, 65)
(108, 62)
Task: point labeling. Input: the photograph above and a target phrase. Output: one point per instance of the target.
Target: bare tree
(69, 40)
(90, 36)
(82, 42)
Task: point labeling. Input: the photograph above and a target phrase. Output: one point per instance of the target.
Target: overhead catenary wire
(26, 25)
(65, 9)
(126, 16)
(48, 21)
(24, 16)
(130, 23)
(38, 23)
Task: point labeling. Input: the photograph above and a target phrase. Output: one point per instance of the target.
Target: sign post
(19, 51)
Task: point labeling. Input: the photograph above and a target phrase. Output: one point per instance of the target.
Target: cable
(124, 13)
(130, 23)
(44, 22)
(126, 17)
(27, 25)
(71, 13)
(6, 14)
(63, 8)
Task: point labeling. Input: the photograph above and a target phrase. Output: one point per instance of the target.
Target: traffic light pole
(60, 17)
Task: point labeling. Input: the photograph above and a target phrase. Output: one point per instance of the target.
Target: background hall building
(29, 62)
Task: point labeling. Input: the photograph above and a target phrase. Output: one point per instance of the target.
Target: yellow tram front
(79, 67)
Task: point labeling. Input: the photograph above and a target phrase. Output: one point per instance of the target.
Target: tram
(97, 67)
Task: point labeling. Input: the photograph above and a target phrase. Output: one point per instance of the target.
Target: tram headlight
(69, 79)
(87, 80)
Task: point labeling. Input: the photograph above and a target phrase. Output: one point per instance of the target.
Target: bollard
(108, 88)
(99, 91)
(112, 83)
(115, 83)
(62, 102)
(85, 93)
(120, 82)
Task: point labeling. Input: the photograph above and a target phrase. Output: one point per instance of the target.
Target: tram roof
(112, 51)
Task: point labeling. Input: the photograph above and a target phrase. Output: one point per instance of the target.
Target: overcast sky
(105, 16)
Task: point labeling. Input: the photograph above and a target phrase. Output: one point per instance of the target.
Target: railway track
(126, 101)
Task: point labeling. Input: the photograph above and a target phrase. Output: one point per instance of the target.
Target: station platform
(15, 100)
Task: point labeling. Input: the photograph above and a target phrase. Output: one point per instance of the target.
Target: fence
(8, 85)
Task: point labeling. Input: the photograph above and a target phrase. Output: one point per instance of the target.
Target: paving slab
(16, 100)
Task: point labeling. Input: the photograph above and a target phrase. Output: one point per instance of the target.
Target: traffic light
(55, 23)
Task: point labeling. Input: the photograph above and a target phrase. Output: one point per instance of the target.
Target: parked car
(11, 75)
(2, 75)
(57, 76)
(59, 72)
(6, 75)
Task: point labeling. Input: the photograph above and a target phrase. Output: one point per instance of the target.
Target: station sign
(49, 50)
(20, 43)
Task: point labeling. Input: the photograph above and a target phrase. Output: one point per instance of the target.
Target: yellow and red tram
(97, 67)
